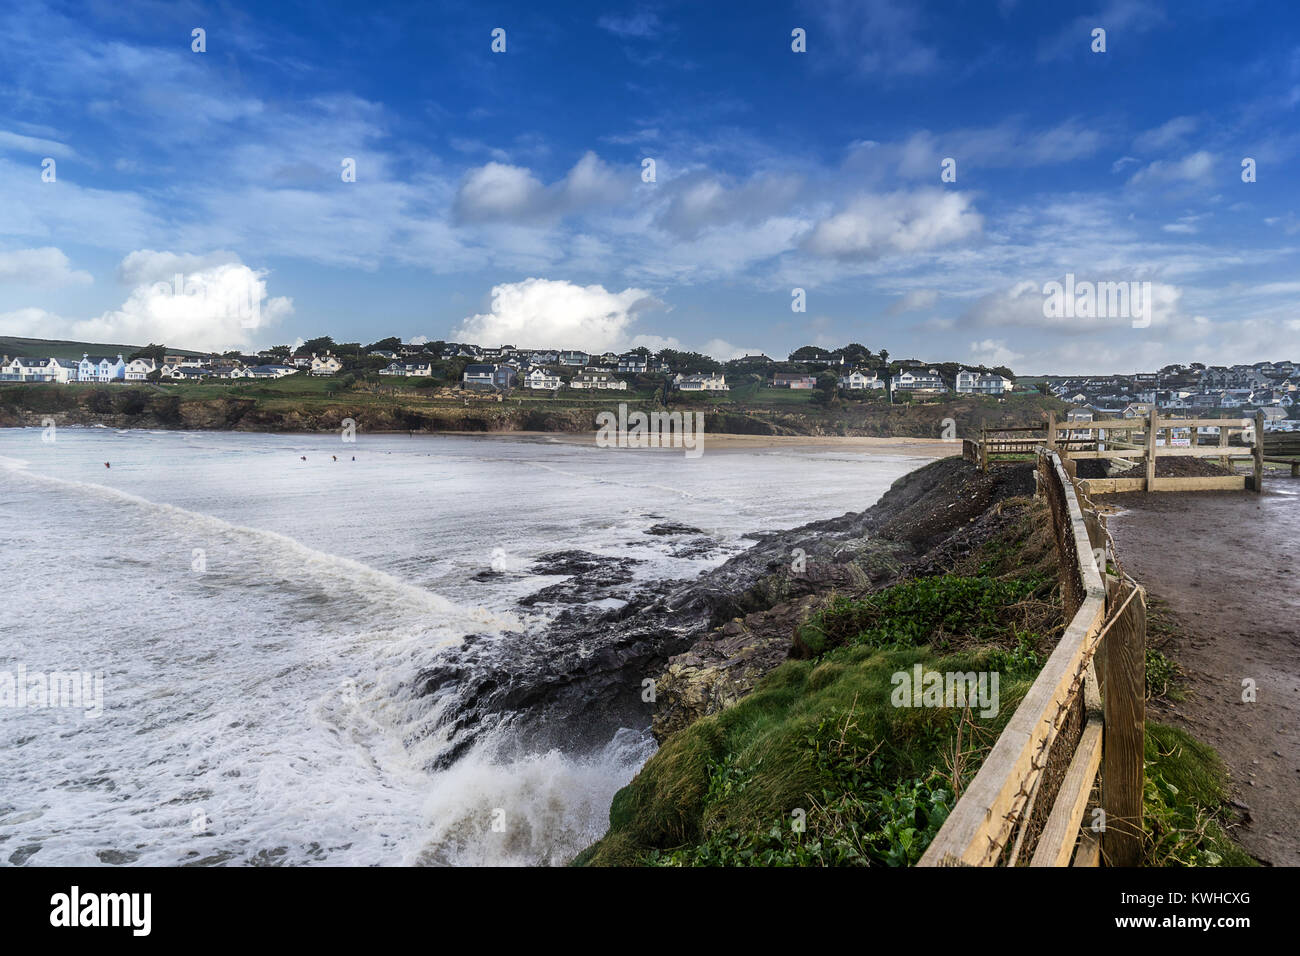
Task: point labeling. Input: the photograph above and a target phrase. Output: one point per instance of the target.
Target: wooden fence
(1142, 455)
(1283, 448)
(1083, 718)
(1139, 443)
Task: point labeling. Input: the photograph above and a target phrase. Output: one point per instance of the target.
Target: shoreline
(720, 441)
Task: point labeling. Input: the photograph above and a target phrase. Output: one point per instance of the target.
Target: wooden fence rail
(1115, 440)
(1079, 720)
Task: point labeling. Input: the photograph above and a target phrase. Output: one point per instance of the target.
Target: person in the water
(106, 465)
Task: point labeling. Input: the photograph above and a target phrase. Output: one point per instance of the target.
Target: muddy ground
(1226, 564)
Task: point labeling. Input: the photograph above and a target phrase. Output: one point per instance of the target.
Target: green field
(14, 346)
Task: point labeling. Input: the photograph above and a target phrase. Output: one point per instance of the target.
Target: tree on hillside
(828, 385)
(280, 351)
(689, 362)
(390, 344)
(319, 345)
(807, 353)
(855, 353)
(150, 351)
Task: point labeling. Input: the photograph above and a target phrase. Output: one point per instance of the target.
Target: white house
(410, 368)
(261, 371)
(325, 364)
(597, 378)
(137, 370)
(858, 379)
(100, 368)
(708, 382)
(540, 378)
(23, 369)
(632, 362)
(908, 381)
(982, 383)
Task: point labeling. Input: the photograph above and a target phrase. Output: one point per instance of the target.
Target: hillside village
(853, 368)
(1271, 387)
(1195, 390)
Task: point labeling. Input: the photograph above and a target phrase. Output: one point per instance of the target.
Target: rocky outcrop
(923, 525)
(703, 642)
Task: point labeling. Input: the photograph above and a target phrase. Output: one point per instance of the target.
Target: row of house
(627, 363)
(104, 369)
(91, 368)
(1271, 387)
(927, 382)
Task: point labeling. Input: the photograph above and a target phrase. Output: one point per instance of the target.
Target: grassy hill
(13, 346)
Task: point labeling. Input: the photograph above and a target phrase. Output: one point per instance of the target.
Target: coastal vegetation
(818, 765)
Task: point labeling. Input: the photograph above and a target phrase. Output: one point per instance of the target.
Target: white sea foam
(268, 708)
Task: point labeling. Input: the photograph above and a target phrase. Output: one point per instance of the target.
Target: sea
(210, 642)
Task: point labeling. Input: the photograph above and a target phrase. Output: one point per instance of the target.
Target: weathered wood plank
(1089, 851)
(1056, 843)
(1152, 428)
(1202, 451)
(1125, 716)
(1201, 483)
(1105, 486)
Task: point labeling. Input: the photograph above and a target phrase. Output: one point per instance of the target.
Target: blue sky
(500, 196)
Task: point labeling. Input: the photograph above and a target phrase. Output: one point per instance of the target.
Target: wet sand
(1226, 564)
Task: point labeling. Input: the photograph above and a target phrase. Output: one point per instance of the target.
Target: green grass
(1185, 812)
(817, 740)
(924, 610)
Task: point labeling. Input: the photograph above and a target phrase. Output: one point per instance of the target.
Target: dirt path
(1226, 564)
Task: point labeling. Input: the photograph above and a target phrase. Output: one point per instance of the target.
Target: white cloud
(914, 301)
(992, 352)
(557, 314)
(1172, 133)
(880, 36)
(43, 266)
(498, 192)
(217, 307)
(724, 351)
(30, 323)
(16, 142)
(1196, 167)
(1022, 305)
(643, 24)
(899, 222)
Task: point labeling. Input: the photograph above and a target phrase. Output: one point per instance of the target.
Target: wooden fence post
(1223, 443)
(1152, 421)
(1259, 450)
(1125, 714)
(1051, 431)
